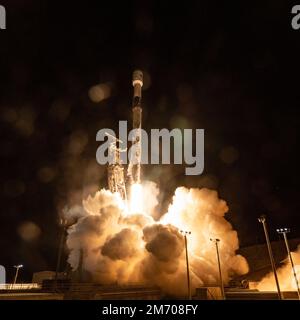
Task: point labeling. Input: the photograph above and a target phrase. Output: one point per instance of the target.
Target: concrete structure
(39, 277)
(85, 291)
(2, 275)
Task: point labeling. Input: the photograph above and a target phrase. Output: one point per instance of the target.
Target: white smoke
(121, 247)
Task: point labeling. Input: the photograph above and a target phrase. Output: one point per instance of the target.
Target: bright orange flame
(136, 198)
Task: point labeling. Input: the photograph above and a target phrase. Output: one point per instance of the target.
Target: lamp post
(284, 231)
(262, 219)
(19, 266)
(216, 242)
(185, 233)
(63, 224)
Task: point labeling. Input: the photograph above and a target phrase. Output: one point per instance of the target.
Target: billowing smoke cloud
(118, 246)
(202, 212)
(285, 276)
(121, 245)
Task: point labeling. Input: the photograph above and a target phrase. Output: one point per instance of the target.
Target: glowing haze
(285, 276)
(123, 244)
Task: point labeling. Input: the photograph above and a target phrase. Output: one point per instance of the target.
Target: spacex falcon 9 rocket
(116, 181)
(134, 167)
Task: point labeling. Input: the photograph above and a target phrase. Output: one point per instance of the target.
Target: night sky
(231, 68)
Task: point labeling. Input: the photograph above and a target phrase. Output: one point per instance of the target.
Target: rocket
(134, 168)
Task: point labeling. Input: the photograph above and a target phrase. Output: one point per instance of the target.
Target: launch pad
(128, 237)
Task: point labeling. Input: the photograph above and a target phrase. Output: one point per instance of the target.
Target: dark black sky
(231, 68)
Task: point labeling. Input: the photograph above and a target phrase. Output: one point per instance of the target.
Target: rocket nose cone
(137, 75)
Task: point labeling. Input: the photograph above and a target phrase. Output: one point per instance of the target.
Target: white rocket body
(134, 168)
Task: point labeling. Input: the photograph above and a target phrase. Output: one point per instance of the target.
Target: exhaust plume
(124, 244)
(285, 276)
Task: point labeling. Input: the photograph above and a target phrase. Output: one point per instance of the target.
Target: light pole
(63, 224)
(185, 233)
(262, 219)
(19, 266)
(284, 231)
(216, 241)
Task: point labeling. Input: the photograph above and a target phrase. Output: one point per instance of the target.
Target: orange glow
(136, 198)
